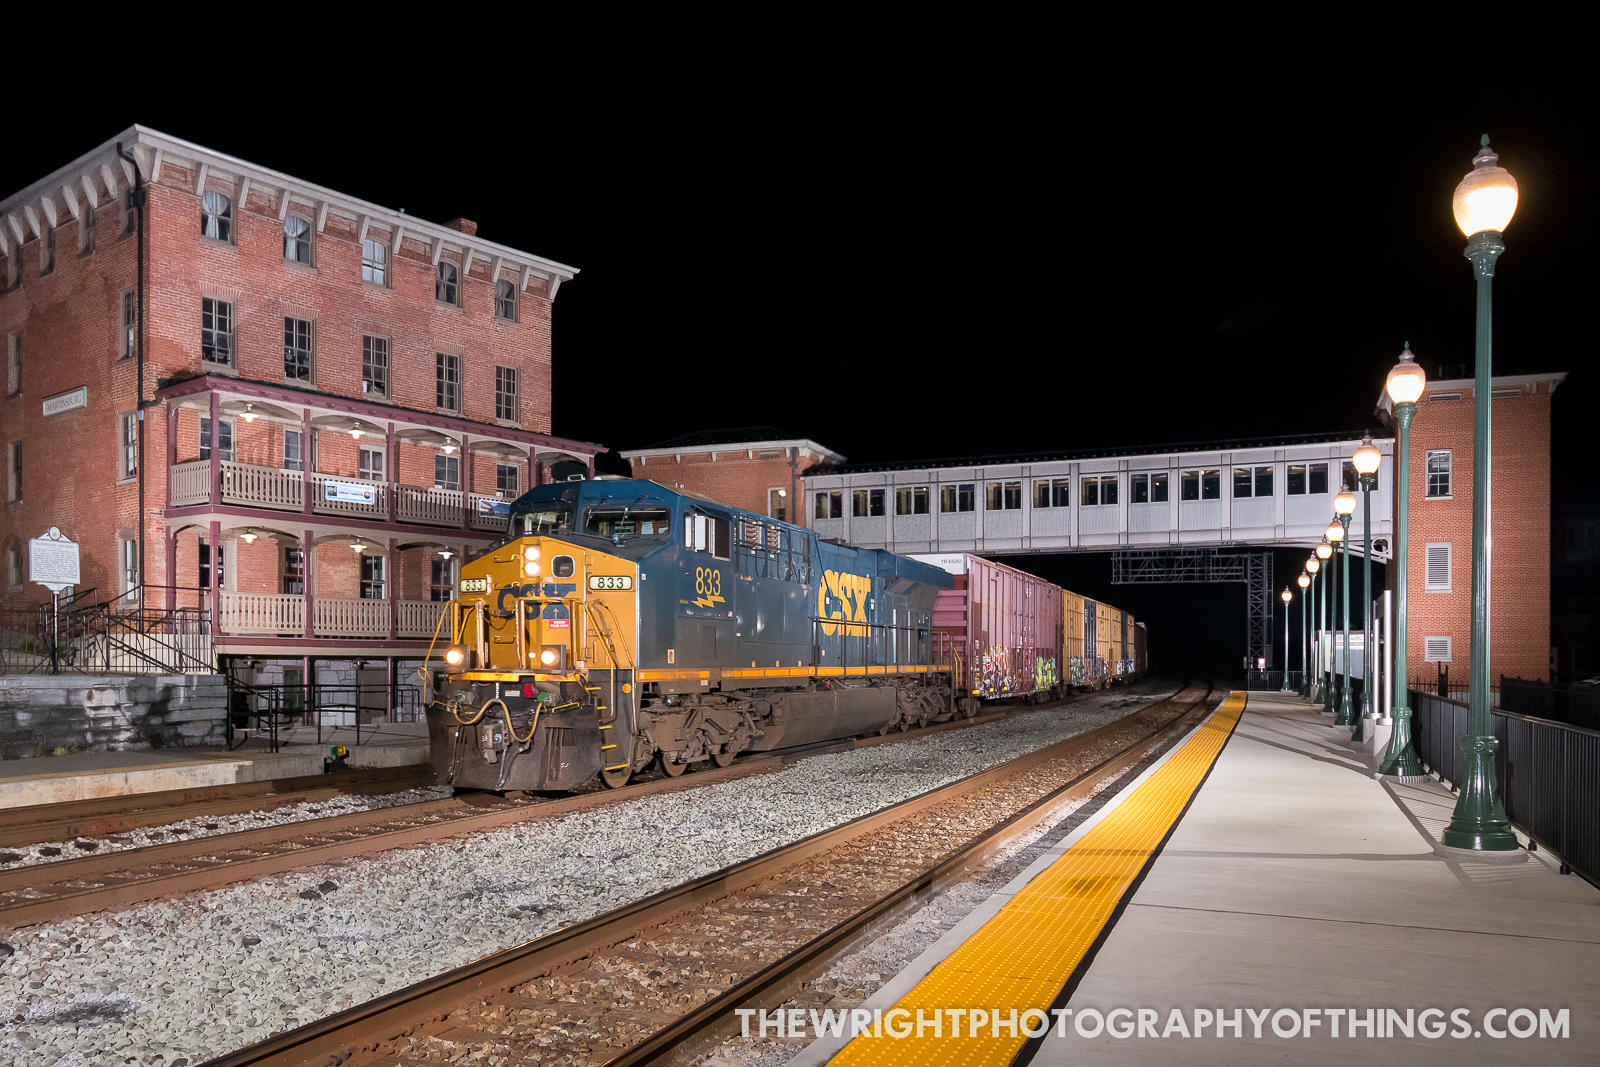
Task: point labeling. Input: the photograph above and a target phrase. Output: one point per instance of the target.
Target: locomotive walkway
(1294, 883)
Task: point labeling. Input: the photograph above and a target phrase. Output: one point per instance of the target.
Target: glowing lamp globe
(1367, 457)
(1344, 503)
(1335, 532)
(1287, 596)
(1313, 565)
(1304, 581)
(1487, 197)
(1325, 550)
(1407, 380)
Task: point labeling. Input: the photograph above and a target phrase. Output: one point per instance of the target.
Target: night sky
(943, 259)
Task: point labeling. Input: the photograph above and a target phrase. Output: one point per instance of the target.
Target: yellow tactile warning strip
(1022, 958)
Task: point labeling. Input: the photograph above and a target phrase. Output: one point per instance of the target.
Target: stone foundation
(114, 713)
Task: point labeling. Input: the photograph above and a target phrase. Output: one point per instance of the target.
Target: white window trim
(1428, 586)
(784, 490)
(1149, 480)
(1200, 472)
(1437, 452)
(123, 475)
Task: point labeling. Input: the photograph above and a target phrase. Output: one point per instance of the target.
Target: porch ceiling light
(249, 415)
(1344, 503)
(445, 553)
(1304, 581)
(449, 447)
(356, 434)
(1335, 532)
(1325, 550)
(358, 546)
(249, 536)
(1367, 457)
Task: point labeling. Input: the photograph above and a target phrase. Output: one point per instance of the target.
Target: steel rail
(377, 1023)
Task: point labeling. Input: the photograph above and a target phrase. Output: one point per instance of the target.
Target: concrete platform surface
(1296, 883)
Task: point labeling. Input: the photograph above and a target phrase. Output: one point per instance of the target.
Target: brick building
(335, 397)
(757, 468)
(1439, 619)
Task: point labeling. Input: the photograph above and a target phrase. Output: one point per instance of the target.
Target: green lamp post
(1287, 597)
(1339, 532)
(1483, 204)
(1324, 626)
(1404, 386)
(1314, 668)
(1366, 460)
(1304, 582)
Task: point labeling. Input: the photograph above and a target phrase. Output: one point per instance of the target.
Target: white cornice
(824, 454)
(153, 148)
(1465, 385)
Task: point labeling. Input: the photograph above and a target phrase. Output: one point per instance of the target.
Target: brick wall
(68, 325)
(1519, 638)
(733, 478)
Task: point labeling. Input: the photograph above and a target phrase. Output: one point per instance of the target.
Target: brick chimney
(466, 226)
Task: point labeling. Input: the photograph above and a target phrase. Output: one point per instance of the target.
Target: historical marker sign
(53, 561)
(78, 398)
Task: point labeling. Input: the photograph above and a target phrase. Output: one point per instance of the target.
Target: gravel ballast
(175, 983)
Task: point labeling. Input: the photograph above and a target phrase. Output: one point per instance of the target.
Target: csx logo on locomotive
(843, 596)
(551, 611)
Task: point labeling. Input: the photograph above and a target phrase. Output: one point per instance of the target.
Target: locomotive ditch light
(455, 658)
(551, 658)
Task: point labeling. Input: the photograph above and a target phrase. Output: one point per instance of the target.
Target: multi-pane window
(128, 465)
(1051, 492)
(1096, 490)
(1303, 478)
(296, 350)
(294, 571)
(14, 489)
(447, 472)
(1439, 473)
(372, 577)
(127, 324)
(830, 505)
(957, 498)
(1252, 481)
(86, 231)
(446, 284)
(866, 503)
(447, 382)
(293, 450)
(216, 216)
(1002, 496)
(506, 478)
(505, 394)
(47, 251)
(129, 555)
(375, 365)
(1149, 488)
(1350, 478)
(441, 580)
(371, 464)
(911, 500)
(374, 262)
(205, 566)
(130, 213)
(13, 364)
(777, 500)
(297, 240)
(1204, 484)
(224, 438)
(216, 331)
(505, 300)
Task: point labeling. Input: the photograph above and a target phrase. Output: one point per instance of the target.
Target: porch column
(172, 458)
(216, 454)
(305, 497)
(389, 695)
(390, 452)
(308, 553)
(172, 570)
(215, 538)
(591, 466)
(535, 476)
(391, 587)
(466, 485)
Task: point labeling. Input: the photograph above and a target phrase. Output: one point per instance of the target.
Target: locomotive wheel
(669, 768)
(616, 779)
(721, 758)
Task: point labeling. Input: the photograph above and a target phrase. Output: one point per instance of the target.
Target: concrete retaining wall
(117, 713)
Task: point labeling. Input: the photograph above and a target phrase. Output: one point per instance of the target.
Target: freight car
(1101, 643)
(1003, 627)
(623, 624)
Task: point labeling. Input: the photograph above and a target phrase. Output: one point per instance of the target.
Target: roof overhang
(1528, 383)
(748, 447)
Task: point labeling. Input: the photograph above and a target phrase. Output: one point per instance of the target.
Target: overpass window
(1304, 478)
(1439, 473)
(911, 500)
(954, 498)
(1351, 478)
(1051, 492)
(1002, 496)
(1204, 484)
(830, 505)
(1150, 488)
(866, 503)
(1099, 490)
(1252, 481)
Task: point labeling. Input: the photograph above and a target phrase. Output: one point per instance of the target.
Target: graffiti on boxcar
(1044, 673)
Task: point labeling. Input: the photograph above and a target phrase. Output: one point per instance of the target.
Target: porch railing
(284, 615)
(416, 504)
(418, 618)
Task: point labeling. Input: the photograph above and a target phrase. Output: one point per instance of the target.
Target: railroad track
(46, 892)
(659, 980)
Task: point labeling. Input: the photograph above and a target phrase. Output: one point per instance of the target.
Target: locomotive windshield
(626, 523)
(548, 517)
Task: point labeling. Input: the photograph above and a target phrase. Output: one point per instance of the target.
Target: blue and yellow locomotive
(624, 623)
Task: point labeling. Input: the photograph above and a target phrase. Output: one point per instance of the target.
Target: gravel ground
(175, 983)
(212, 825)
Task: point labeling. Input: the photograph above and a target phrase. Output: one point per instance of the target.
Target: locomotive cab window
(550, 519)
(706, 533)
(628, 523)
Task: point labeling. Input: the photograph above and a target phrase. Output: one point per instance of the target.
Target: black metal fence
(128, 635)
(1576, 705)
(1271, 681)
(1549, 774)
(268, 711)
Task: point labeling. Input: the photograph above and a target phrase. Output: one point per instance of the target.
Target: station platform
(90, 775)
(1257, 876)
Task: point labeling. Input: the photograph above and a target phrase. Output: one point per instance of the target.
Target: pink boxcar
(1002, 629)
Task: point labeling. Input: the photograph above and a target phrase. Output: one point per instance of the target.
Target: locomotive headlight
(531, 552)
(530, 569)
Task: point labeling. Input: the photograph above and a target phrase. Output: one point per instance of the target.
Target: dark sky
(956, 255)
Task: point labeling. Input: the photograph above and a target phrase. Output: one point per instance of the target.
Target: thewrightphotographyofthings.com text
(1123, 1023)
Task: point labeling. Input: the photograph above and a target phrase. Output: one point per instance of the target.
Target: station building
(757, 468)
(302, 413)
